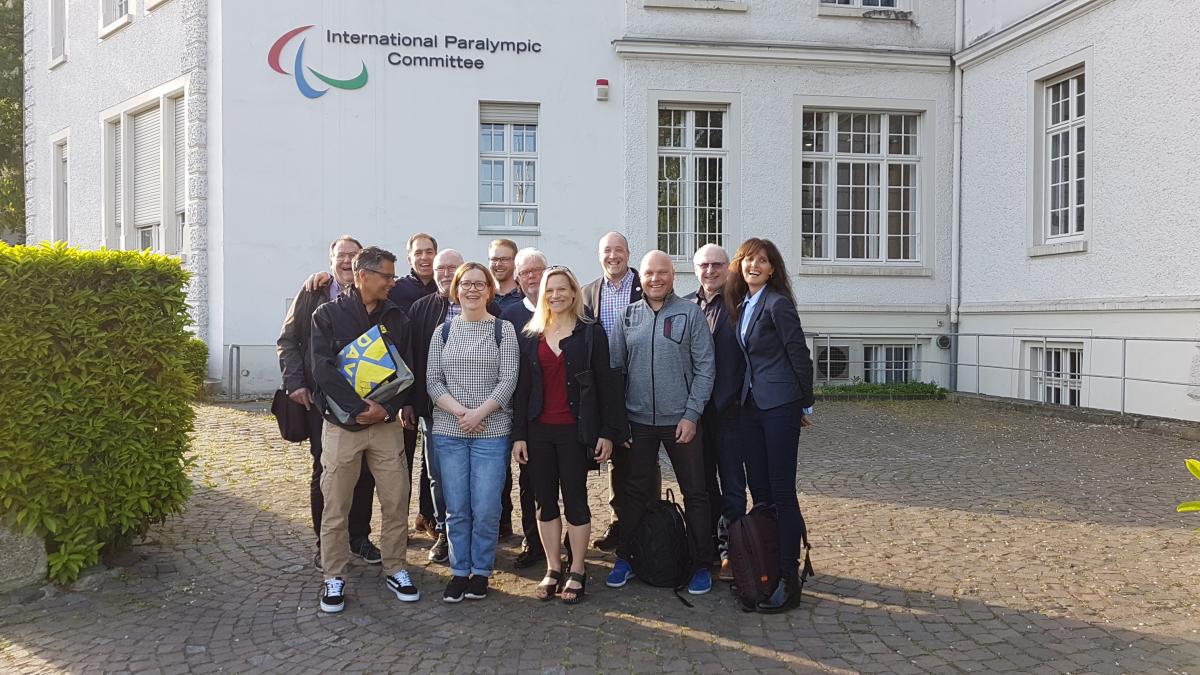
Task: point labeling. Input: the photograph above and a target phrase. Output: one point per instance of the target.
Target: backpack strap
(499, 331)
(446, 328)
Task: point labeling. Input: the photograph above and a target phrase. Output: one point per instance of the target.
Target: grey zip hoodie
(667, 357)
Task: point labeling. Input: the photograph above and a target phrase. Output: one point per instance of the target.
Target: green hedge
(898, 390)
(95, 397)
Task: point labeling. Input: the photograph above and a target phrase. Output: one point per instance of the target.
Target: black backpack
(754, 555)
(662, 554)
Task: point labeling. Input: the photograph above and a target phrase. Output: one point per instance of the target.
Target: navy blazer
(779, 366)
(727, 350)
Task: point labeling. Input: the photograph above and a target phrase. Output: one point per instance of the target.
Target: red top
(555, 409)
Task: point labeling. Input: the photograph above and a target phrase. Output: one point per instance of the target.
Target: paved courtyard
(946, 537)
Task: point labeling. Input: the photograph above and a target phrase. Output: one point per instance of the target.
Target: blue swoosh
(301, 83)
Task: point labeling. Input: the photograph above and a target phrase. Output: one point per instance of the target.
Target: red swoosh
(277, 48)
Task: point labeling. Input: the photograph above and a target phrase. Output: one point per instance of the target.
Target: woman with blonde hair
(471, 375)
(568, 413)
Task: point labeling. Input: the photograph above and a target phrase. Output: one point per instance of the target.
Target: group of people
(515, 359)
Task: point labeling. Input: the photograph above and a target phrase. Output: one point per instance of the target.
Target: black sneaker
(529, 557)
(364, 549)
(402, 585)
(333, 599)
(440, 552)
(477, 587)
(610, 540)
(455, 589)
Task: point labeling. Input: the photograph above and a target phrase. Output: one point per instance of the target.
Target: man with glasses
(427, 315)
(501, 258)
(361, 429)
(530, 264)
(295, 361)
(718, 424)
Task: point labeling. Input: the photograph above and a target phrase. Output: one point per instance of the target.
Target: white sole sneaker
(332, 609)
(452, 601)
(407, 597)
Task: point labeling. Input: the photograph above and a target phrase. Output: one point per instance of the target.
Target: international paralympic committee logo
(357, 82)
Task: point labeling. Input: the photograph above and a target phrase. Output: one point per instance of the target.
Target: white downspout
(956, 201)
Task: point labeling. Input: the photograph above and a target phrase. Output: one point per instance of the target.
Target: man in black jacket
(718, 425)
(361, 428)
(295, 361)
(530, 264)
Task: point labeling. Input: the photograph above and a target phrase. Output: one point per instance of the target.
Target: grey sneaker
(440, 552)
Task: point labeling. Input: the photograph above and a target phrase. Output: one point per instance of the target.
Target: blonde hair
(541, 314)
(467, 267)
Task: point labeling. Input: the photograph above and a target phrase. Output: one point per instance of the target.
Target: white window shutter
(147, 168)
(180, 154)
(118, 185)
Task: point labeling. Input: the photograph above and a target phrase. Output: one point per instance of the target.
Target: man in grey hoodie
(663, 344)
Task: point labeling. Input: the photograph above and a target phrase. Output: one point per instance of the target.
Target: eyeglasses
(472, 285)
(711, 265)
(531, 272)
(446, 268)
(498, 259)
(393, 277)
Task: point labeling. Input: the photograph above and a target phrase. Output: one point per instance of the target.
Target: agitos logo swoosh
(357, 82)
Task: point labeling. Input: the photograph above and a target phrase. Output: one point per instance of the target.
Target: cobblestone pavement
(946, 538)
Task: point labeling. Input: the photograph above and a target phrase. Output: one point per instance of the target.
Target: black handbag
(291, 416)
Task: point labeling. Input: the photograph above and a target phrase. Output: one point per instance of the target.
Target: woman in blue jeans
(776, 396)
(471, 374)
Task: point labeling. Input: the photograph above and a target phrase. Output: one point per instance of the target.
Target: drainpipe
(956, 200)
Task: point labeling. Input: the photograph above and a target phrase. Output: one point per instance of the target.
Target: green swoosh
(354, 83)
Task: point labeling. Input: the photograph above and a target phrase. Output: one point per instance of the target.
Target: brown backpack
(754, 555)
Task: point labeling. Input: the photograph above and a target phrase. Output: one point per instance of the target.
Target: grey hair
(371, 257)
(527, 254)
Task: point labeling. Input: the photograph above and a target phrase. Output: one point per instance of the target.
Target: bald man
(663, 345)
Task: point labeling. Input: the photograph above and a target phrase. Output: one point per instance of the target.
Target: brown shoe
(425, 526)
(726, 573)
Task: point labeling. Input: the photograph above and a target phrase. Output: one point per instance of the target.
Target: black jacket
(779, 365)
(295, 357)
(426, 316)
(527, 401)
(591, 294)
(335, 325)
(409, 289)
(518, 315)
(731, 364)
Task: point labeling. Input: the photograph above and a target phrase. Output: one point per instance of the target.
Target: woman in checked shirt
(471, 374)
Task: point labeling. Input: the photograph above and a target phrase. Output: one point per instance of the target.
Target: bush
(195, 356)
(95, 393)
(881, 390)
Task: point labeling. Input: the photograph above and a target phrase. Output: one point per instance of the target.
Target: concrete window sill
(707, 5)
(863, 270)
(864, 13)
(57, 61)
(115, 26)
(1058, 248)
(151, 4)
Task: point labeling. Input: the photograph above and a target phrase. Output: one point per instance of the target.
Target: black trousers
(636, 469)
(558, 462)
(526, 496)
(771, 438)
(710, 435)
(359, 519)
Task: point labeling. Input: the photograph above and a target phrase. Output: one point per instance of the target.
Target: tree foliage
(12, 167)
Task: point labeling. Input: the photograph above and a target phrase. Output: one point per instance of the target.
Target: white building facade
(891, 148)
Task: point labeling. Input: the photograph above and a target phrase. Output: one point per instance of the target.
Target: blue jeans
(473, 471)
(435, 476)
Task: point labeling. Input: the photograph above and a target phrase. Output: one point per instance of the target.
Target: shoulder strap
(499, 331)
(446, 328)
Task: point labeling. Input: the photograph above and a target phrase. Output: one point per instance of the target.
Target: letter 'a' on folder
(370, 361)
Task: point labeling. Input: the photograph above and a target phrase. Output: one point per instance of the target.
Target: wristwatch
(389, 418)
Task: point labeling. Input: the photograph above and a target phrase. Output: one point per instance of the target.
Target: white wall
(98, 74)
(400, 155)
(987, 17)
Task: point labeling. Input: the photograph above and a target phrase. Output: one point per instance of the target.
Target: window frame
(123, 234)
(60, 182)
(730, 104)
(689, 156)
(509, 157)
(57, 7)
(923, 223)
(1039, 241)
(1065, 381)
(855, 9)
(912, 362)
(118, 21)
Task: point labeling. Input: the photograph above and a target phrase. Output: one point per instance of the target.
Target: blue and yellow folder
(373, 367)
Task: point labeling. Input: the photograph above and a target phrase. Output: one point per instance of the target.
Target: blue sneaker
(701, 582)
(620, 575)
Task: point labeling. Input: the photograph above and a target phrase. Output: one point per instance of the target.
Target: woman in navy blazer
(777, 392)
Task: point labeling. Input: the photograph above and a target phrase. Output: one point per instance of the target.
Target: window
(1056, 374)
(58, 31)
(146, 174)
(61, 202)
(889, 363)
(508, 167)
(859, 188)
(692, 155)
(862, 3)
(1065, 170)
(113, 10)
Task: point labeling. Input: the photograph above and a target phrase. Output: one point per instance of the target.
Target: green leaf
(1188, 507)
(1193, 465)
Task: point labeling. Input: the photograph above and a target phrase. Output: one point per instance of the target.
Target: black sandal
(577, 593)
(546, 592)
